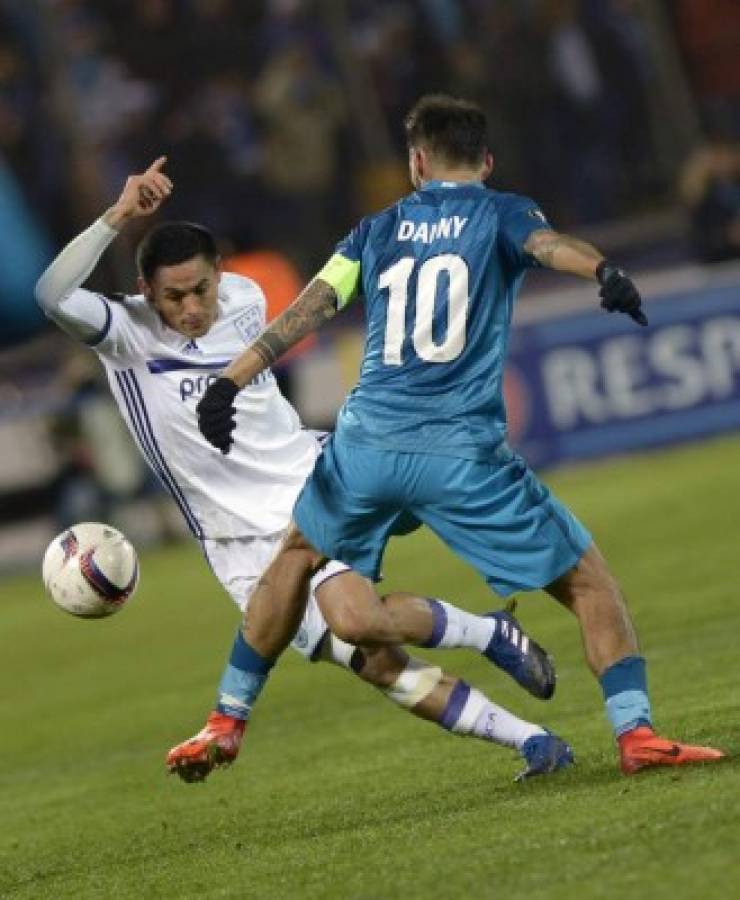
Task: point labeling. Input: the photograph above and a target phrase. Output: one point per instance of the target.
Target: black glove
(618, 292)
(216, 413)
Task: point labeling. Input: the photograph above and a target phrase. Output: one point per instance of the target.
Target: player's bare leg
(272, 618)
(590, 592)
(612, 652)
(356, 614)
(429, 693)
(279, 602)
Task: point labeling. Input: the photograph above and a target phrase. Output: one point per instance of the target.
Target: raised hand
(142, 194)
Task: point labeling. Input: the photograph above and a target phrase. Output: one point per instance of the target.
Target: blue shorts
(495, 514)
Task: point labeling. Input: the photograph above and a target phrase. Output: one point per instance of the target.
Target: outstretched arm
(81, 313)
(563, 253)
(314, 306)
(570, 254)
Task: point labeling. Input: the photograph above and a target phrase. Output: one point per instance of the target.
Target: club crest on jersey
(249, 324)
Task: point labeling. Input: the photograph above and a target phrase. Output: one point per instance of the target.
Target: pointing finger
(157, 164)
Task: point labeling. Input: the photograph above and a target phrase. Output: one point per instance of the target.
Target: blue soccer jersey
(439, 272)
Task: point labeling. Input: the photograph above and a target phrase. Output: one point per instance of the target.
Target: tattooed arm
(563, 253)
(216, 412)
(568, 254)
(314, 306)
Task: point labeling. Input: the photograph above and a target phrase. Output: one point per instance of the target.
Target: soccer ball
(90, 570)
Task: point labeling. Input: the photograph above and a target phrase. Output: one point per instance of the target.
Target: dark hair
(172, 243)
(453, 129)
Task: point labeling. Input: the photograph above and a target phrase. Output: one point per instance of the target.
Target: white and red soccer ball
(90, 570)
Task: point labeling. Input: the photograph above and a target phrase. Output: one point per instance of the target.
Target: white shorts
(238, 563)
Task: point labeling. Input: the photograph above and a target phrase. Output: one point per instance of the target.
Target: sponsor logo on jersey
(426, 232)
(197, 385)
(191, 347)
(249, 324)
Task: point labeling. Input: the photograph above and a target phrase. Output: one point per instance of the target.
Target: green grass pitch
(338, 794)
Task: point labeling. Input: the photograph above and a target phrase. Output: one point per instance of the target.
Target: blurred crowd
(282, 118)
(282, 123)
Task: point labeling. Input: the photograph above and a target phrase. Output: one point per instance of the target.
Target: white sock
(494, 723)
(453, 627)
(471, 712)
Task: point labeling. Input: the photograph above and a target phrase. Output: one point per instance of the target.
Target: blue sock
(625, 691)
(243, 679)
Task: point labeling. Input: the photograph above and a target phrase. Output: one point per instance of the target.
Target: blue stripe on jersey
(150, 449)
(103, 333)
(147, 442)
(192, 520)
(144, 444)
(158, 366)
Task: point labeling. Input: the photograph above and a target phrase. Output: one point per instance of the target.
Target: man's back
(439, 272)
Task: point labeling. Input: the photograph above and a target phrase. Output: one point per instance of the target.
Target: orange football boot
(641, 748)
(217, 744)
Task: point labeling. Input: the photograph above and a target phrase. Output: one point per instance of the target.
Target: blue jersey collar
(431, 185)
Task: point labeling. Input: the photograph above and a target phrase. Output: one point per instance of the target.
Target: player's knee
(350, 624)
(589, 577)
(596, 575)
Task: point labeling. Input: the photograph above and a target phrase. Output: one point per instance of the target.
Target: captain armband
(344, 276)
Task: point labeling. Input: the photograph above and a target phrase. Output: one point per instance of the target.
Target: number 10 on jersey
(396, 280)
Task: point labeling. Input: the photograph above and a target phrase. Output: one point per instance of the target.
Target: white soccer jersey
(158, 375)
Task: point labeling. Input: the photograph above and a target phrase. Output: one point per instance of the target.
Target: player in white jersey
(161, 349)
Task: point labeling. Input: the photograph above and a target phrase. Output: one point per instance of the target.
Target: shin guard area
(416, 681)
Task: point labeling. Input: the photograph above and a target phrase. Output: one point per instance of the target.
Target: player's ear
(417, 165)
(218, 267)
(488, 165)
(144, 288)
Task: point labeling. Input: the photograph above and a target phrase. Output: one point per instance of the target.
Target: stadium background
(281, 122)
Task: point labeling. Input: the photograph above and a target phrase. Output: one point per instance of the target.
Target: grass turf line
(338, 794)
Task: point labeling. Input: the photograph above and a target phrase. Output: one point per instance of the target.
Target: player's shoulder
(237, 291)
(385, 219)
(134, 307)
(510, 202)
(131, 326)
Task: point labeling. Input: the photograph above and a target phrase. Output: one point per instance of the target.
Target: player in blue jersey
(422, 437)
(240, 506)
